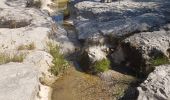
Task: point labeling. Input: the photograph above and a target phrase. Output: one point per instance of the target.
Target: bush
(59, 63)
(159, 61)
(100, 66)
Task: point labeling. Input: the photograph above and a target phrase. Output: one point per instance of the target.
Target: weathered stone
(19, 27)
(140, 49)
(119, 20)
(43, 62)
(18, 82)
(95, 53)
(157, 85)
(90, 55)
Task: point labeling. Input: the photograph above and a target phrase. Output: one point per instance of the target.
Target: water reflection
(62, 11)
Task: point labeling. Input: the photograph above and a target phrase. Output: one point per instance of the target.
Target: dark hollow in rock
(13, 23)
(135, 60)
(84, 61)
(141, 65)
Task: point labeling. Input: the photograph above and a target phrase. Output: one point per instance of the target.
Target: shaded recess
(134, 59)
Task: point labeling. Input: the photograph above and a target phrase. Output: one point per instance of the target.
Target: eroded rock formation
(25, 30)
(156, 86)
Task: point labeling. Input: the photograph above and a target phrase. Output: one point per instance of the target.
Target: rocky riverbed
(117, 50)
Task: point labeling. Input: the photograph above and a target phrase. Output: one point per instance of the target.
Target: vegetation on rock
(6, 58)
(101, 66)
(93, 68)
(59, 63)
(30, 46)
(160, 60)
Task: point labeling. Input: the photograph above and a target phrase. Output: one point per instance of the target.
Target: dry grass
(30, 46)
(6, 58)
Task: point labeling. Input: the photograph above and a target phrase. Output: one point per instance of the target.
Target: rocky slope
(24, 34)
(132, 33)
(106, 25)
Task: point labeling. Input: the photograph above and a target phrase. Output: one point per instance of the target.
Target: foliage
(159, 60)
(6, 58)
(27, 47)
(59, 63)
(101, 66)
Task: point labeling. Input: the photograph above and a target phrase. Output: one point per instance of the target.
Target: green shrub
(6, 58)
(159, 60)
(59, 63)
(101, 66)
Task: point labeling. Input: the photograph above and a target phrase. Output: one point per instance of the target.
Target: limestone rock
(44, 93)
(43, 62)
(18, 82)
(140, 48)
(22, 27)
(119, 19)
(95, 53)
(90, 55)
(157, 85)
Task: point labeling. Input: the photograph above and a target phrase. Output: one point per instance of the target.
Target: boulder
(43, 62)
(96, 53)
(89, 55)
(157, 85)
(119, 20)
(143, 50)
(18, 82)
(21, 26)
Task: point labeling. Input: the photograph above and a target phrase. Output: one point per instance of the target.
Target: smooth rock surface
(18, 82)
